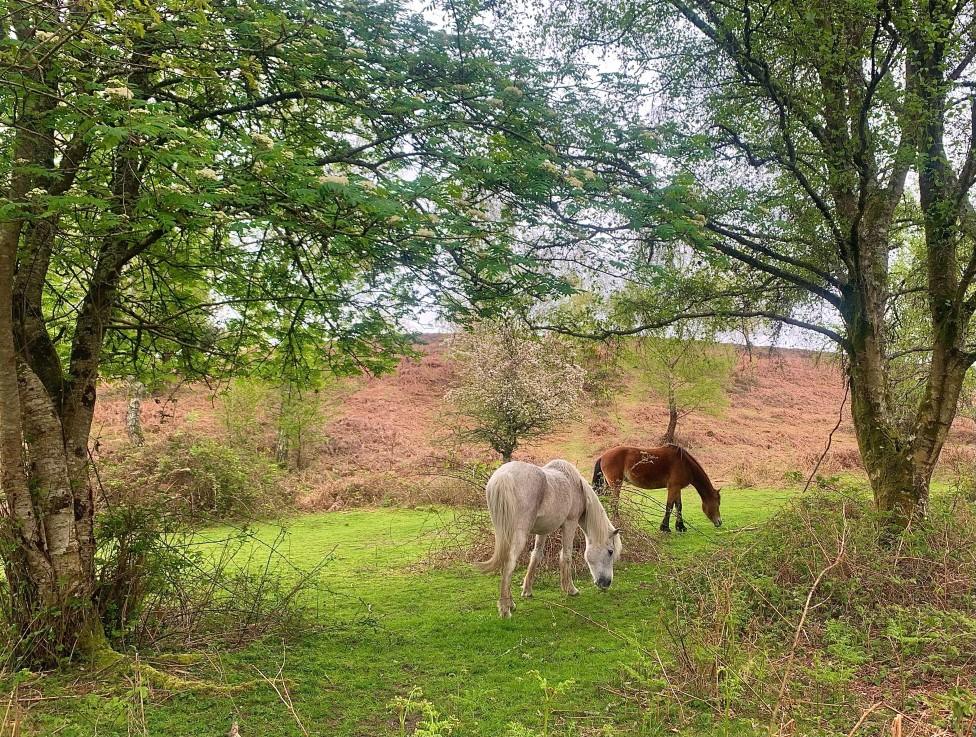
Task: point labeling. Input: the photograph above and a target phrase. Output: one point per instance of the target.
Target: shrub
(162, 585)
(821, 608)
(136, 558)
(794, 477)
(512, 386)
(242, 411)
(201, 478)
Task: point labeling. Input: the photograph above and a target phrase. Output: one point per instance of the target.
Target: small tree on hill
(692, 375)
(512, 386)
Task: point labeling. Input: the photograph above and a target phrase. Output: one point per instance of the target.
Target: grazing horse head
(600, 557)
(603, 545)
(711, 505)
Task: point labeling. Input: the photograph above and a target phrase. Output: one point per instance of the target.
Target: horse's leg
(505, 604)
(679, 523)
(566, 559)
(666, 522)
(534, 561)
(615, 499)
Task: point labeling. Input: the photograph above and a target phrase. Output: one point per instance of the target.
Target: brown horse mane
(699, 478)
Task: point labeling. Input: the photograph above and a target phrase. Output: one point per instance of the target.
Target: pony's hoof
(681, 529)
(573, 592)
(665, 529)
(505, 611)
(526, 594)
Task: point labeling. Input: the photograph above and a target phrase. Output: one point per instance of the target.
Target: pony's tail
(500, 494)
(599, 480)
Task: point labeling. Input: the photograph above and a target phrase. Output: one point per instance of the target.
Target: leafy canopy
(265, 186)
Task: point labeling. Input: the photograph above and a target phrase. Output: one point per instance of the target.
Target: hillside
(387, 436)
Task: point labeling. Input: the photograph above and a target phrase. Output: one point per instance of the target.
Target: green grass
(392, 625)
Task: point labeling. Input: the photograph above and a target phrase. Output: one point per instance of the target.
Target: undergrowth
(820, 621)
(201, 478)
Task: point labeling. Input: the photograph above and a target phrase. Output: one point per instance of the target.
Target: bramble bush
(162, 585)
(202, 478)
(820, 608)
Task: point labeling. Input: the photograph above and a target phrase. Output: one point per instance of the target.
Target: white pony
(523, 499)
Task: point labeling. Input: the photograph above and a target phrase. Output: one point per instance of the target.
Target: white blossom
(512, 386)
(426, 233)
(122, 92)
(574, 182)
(208, 173)
(333, 179)
(45, 36)
(550, 167)
(262, 140)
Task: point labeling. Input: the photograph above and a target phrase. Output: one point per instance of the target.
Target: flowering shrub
(512, 386)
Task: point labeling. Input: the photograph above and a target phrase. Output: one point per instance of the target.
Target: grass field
(392, 625)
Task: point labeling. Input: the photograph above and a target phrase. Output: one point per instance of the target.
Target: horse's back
(526, 481)
(545, 497)
(567, 469)
(649, 468)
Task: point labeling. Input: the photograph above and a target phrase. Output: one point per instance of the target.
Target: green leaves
(287, 182)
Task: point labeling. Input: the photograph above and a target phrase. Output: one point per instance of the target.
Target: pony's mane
(596, 522)
(700, 479)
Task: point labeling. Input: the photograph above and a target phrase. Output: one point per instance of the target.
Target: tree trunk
(282, 440)
(133, 414)
(900, 460)
(50, 570)
(672, 417)
(281, 447)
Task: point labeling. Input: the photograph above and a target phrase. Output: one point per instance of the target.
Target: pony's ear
(615, 532)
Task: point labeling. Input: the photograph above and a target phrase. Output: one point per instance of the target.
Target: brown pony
(669, 467)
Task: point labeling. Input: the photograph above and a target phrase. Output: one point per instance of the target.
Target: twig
(602, 626)
(803, 617)
(864, 716)
(6, 713)
(830, 437)
(286, 696)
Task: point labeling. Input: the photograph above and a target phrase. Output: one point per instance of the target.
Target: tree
(512, 386)
(197, 188)
(691, 375)
(782, 138)
(135, 391)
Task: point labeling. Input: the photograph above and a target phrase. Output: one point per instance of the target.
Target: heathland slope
(388, 436)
